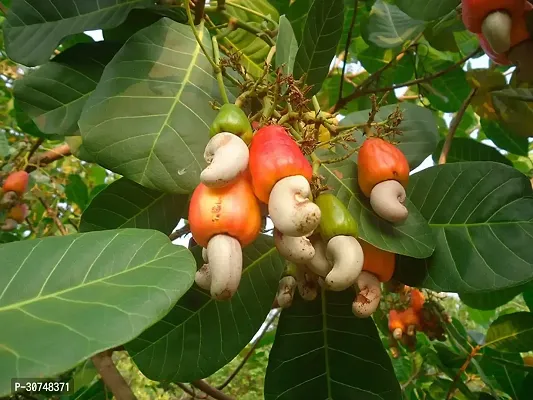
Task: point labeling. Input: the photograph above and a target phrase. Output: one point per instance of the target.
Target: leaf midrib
(55, 294)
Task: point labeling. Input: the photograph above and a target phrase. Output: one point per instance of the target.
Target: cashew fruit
(231, 118)
(232, 210)
(396, 325)
(16, 182)
(18, 212)
(274, 156)
(417, 300)
(379, 262)
(335, 218)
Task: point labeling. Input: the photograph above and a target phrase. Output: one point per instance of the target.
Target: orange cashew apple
(16, 182)
(281, 177)
(379, 262)
(417, 300)
(383, 175)
(224, 220)
(18, 213)
(396, 325)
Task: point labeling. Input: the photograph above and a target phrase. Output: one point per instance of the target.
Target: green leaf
(252, 49)
(201, 335)
(509, 379)
(389, 27)
(427, 10)
(527, 294)
(527, 387)
(4, 145)
(136, 20)
(511, 333)
(34, 28)
(322, 351)
(149, 117)
(448, 92)
(64, 299)
(481, 317)
(126, 204)
(77, 191)
(490, 300)
(286, 46)
(419, 134)
(514, 108)
(54, 94)
(467, 149)
(482, 216)
(320, 37)
(504, 139)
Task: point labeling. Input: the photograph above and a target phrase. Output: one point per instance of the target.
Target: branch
(48, 157)
(53, 215)
(359, 93)
(3, 8)
(463, 368)
(199, 11)
(210, 390)
(35, 147)
(111, 377)
(184, 230)
(453, 127)
(250, 352)
(347, 46)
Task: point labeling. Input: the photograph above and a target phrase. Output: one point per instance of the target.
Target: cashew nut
(225, 266)
(307, 283)
(8, 199)
(496, 29)
(369, 296)
(227, 156)
(319, 264)
(203, 275)
(290, 209)
(294, 249)
(387, 200)
(346, 255)
(9, 225)
(286, 289)
(397, 333)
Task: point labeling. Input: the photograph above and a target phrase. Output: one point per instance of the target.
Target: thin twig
(197, 36)
(453, 127)
(3, 8)
(184, 387)
(250, 352)
(359, 93)
(347, 47)
(53, 215)
(463, 368)
(111, 376)
(35, 146)
(199, 11)
(210, 390)
(184, 230)
(218, 73)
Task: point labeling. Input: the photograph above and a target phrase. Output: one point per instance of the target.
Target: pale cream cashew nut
(294, 249)
(387, 200)
(346, 255)
(227, 156)
(286, 289)
(369, 296)
(496, 29)
(224, 254)
(203, 275)
(290, 209)
(319, 264)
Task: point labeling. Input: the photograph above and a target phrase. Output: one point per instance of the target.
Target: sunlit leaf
(504, 138)
(511, 333)
(286, 46)
(427, 10)
(467, 149)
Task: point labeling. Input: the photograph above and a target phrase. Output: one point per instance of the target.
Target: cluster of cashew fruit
(416, 315)
(502, 31)
(383, 175)
(12, 210)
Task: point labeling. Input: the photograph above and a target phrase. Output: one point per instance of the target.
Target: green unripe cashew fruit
(336, 219)
(231, 118)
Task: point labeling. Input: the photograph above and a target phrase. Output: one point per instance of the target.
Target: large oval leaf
(390, 27)
(322, 351)
(63, 299)
(34, 28)
(419, 134)
(201, 335)
(427, 10)
(149, 117)
(286, 46)
(468, 149)
(321, 34)
(482, 216)
(510, 379)
(505, 138)
(126, 204)
(54, 94)
(511, 333)
(490, 300)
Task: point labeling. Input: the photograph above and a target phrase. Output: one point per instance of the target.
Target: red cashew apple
(224, 220)
(500, 22)
(383, 175)
(18, 213)
(16, 182)
(281, 177)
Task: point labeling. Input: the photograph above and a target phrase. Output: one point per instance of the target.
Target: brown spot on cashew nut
(496, 29)
(294, 249)
(346, 255)
(225, 266)
(307, 283)
(387, 200)
(319, 264)
(286, 289)
(369, 296)
(227, 156)
(290, 209)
